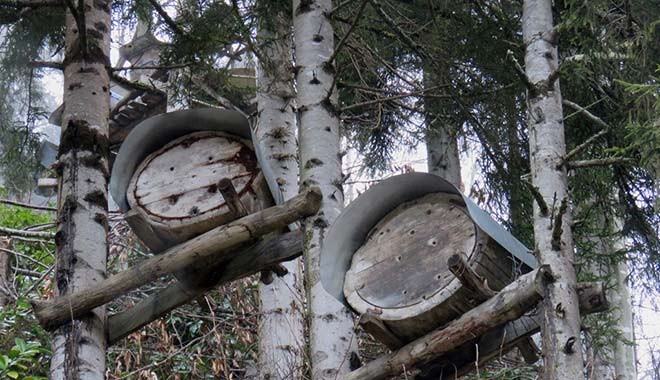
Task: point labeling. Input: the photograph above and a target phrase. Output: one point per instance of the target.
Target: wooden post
(280, 248)
(510, 303)
(212, 246)
(231, 197)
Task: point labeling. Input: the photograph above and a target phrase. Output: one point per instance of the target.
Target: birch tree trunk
(625, 363)
(281, 328)
(562, 353)
(333, 346)
(81, 238)
(441, 144)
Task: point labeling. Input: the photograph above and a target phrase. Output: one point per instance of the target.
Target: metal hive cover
(155, 132)
(350, 229)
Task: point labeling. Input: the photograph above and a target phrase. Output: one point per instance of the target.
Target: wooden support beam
(477, 286)
(500, 340)
(231, 197)
(374, 326)
(510, 303)
(251, 260)
(213, 246)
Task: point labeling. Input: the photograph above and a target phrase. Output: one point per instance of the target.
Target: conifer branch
(348, 32)
(166, 18)
(403, 35)
(600, 162)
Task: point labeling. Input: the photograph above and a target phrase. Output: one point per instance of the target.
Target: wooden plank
(214, 244)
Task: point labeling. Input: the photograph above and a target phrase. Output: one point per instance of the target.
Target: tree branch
(166, 18)
(27, 205)
(31, 3)
(543, 207)
(30, 234)
(339, 45)
(600, 162)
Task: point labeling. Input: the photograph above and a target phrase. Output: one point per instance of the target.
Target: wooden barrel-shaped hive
(173, 193)
(400, 272)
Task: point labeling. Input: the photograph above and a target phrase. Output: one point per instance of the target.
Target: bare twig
(166, 18)
(390, 22)
(520, 71)
(339, 45)
(29, 234)
(27, 205)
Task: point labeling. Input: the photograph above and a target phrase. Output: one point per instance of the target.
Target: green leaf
(4, 362)
(13, 374)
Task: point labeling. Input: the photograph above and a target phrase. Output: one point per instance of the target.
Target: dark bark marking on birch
(96, 197)
(101, 27)
(103, 5)
(304, 7)
(101, 219)
(93, 33)
(94, 54)
(312, 163)
(78, 136)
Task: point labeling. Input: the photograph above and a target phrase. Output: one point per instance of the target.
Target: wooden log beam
(249, 261)
(510, 303)
(213, 246)
(470, 280)
(592, 299)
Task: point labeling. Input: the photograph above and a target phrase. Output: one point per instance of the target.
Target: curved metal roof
(349, 230)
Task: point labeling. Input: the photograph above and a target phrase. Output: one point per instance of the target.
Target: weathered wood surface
(175, 189)
(401, 270)
(509, 304)
(493, 344)
(249, 261)
(212, 247)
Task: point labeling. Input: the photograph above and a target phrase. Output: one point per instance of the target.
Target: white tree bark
(441, 144)
(553, 241)
(333, 346)
(281, 327)
(615, 362)
(625, 362)
(81, 238)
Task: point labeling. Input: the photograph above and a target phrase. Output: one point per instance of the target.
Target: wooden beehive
(399, 275)
(173, 193)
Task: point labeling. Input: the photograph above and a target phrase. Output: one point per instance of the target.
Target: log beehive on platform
(401, 274)
(174, 191)
(166, 175)
(386, 256)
